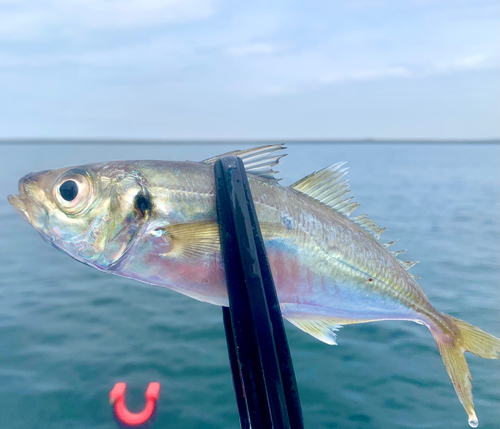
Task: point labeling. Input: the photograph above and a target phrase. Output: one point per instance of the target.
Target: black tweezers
(261, 365)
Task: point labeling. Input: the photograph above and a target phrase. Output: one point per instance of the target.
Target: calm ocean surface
(69, 332)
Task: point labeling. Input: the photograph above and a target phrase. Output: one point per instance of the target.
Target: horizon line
(118, 141)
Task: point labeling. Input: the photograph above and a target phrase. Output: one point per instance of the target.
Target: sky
(225, 69)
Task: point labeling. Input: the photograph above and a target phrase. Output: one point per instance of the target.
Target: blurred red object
(117, 398)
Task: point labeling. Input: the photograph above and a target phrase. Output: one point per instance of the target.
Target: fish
(156, 222)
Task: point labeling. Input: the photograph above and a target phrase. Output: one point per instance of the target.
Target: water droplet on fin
(473, 421)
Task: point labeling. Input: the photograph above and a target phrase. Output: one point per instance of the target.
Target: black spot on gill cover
(143, 203)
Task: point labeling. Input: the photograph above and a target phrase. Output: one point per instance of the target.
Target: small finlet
(398, 252)
(408, 264)
(387, 245)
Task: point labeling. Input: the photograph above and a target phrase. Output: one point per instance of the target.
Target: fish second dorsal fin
(365, 222)
(322, 330)
(258, 161)
(329, 187)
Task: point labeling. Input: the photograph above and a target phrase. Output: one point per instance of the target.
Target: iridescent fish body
(155, 221)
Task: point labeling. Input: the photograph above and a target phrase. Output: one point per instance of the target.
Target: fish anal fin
(258, 161)
(322, 330)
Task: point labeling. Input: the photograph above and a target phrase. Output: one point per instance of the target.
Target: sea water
(68, 333)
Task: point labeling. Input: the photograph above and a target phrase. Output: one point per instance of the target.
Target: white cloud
(318, 72)
(252, 49)
(21, 19)
(470, 62)
(367, 75)
(162, 53)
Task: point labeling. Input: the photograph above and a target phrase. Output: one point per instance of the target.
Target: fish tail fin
(477, 341)
(452, 342)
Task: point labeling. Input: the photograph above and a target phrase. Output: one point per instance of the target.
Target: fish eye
(73, 192)
(69, 190)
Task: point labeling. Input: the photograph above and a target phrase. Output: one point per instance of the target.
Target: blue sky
(209, 69)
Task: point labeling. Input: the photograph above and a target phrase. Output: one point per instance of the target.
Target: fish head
(93, 212)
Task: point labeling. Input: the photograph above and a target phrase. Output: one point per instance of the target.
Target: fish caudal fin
(464, 337)
(477, 341)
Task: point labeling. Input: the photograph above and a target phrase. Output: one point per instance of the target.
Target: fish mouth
(17, 202)
(20, 203)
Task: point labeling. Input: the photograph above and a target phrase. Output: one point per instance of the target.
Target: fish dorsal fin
(329, 187)
(258, 161)
(322, 330)
(365, 222)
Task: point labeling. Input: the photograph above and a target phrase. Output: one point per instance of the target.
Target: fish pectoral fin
(198, 239)
(322, 330)
(192, 240)
(258, 161)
